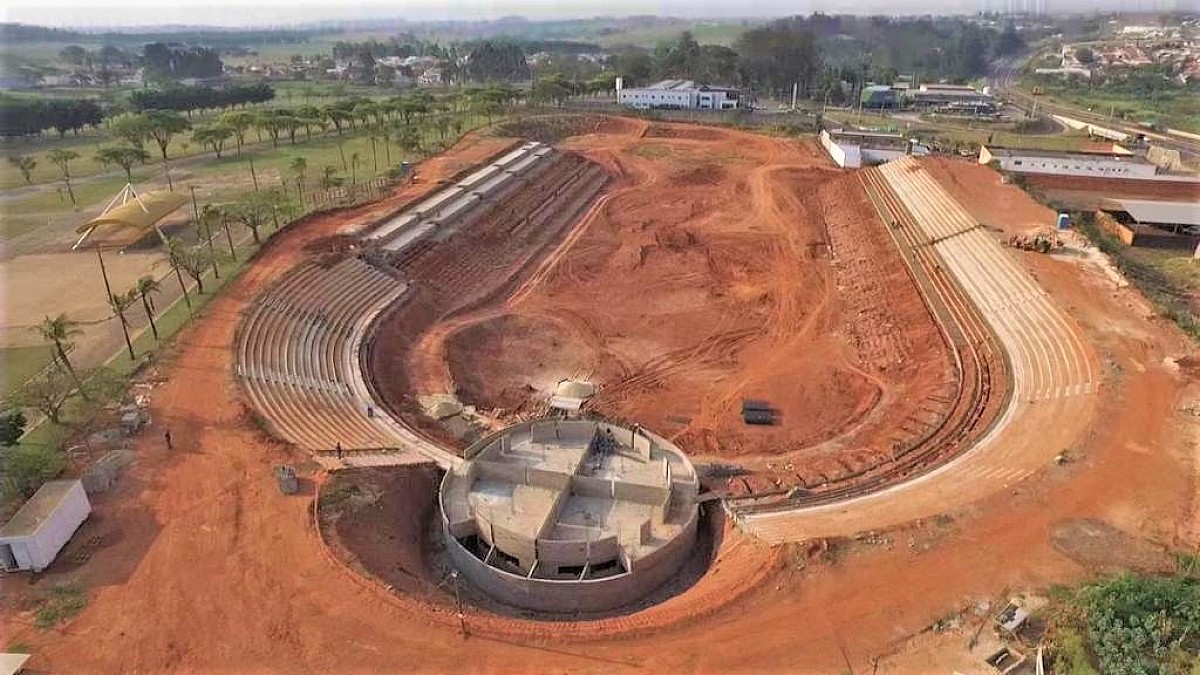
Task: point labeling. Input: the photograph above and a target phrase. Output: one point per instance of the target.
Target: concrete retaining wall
(594, 595)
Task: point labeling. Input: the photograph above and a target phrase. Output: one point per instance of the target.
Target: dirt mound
(526, 355)
(554, 128)
(686, 132)
(381, 522)
(1105, 549)
(698, 176)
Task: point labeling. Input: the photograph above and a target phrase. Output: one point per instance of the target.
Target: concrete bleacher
(296, 354)
(458, 201)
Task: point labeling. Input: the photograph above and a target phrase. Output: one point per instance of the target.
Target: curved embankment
(1053, 377)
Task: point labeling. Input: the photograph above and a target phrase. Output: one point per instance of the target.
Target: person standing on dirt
(167, 438)
(339, 450)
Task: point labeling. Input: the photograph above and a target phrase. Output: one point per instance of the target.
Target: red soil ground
(208, 569)
(705, 277)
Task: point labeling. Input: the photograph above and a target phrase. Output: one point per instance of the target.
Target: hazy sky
(283, 12)
(102, 13)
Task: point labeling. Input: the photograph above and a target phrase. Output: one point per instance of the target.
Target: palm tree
(60, 330)
(146, 287)
(175, 254)
(120, 303)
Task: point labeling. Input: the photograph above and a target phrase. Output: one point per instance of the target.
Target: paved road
(1053, 370)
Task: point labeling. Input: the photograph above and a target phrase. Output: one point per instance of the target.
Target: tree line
(820, 52)
(187, 99)
(163, 61)
(28, 117)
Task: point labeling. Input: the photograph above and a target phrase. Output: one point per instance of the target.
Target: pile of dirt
(553, 128)
(685, 132)
(1105, 549)
(698, 176)
(380, 521)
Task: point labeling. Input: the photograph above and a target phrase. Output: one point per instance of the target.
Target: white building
(678, 95)
(852, 149)
(39, 530)
(1068, 163)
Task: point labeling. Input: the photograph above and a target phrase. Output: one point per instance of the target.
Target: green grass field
(1177, 108)
(22, 363)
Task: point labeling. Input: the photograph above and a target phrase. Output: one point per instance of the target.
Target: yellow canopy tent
(133, 212)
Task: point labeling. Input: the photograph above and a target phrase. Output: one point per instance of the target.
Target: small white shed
(45, 524)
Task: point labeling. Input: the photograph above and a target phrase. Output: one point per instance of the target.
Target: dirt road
(206, 568)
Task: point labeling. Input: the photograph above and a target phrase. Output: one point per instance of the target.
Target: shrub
(1143, 625)
(26, 467)
(63, 601)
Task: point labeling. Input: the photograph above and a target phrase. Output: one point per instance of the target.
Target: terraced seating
(451, 205)
(297, 351)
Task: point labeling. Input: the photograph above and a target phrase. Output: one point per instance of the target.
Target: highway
(1053, 371)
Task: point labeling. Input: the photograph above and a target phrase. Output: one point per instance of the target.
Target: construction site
(603, 393)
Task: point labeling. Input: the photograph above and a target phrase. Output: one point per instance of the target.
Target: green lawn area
(1178, 108)
(89, 141)
(22, 363)
(24, 215)
(1178, 266)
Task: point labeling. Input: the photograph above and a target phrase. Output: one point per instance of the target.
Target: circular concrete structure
(570, 515)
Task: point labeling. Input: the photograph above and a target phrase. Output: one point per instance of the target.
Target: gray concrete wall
(508, 473)
(567, 596)
(590, 486)
(552, 552)
(642, 494)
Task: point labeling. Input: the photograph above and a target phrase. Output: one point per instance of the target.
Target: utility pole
(104, 273)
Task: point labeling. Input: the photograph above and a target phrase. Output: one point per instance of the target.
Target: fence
(348, 195)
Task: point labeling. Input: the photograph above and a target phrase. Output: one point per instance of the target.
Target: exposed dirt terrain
(709, 274)
(208, 569)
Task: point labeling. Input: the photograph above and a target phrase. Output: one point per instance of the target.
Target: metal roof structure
(1163, 213)
(40, 506)
(137, 212)
(1083, 155)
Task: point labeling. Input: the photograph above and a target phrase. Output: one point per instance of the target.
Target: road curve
(1054, 379)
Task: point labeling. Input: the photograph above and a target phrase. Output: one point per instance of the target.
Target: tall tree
(123, 156)
(260, 208)
(162, 126)
(120, 303)
(48, 395)
(59, 331)
(240, 121)
(62, 159)
(213, 136)
(146, 287)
